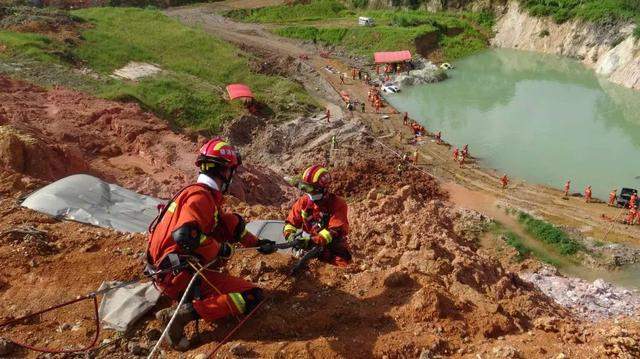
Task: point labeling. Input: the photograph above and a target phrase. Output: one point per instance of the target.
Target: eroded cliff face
(611, 51)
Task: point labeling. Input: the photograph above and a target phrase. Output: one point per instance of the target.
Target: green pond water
(542, 118)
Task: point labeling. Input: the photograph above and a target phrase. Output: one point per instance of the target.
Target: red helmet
(317, 177)
(217, 152)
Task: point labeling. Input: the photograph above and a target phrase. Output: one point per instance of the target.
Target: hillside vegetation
(189, 91)
(331, 23)
(599, 11)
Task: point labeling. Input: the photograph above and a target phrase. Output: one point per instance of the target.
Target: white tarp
(121, 307)
(87, 199)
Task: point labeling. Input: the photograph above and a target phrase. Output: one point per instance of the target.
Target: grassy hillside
(331, 23)
(196, 67)
(599, 11)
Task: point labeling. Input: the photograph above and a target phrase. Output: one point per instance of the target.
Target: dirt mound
(54, 23)
(380, 176)
(52, 134)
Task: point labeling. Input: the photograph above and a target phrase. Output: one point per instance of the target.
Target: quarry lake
(541, 118)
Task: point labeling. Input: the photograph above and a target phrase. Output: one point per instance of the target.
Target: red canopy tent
(239, 91)
(391, 57)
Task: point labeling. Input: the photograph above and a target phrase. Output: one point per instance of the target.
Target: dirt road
(592, 220)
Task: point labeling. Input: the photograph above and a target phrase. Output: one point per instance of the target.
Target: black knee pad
(252, 297)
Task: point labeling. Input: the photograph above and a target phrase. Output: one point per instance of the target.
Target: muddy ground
(419, 284)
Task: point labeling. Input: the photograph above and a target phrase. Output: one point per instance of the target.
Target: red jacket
(200, 204)
(325, 221)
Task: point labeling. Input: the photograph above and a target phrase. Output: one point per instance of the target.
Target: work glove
(266, 246)
(300, 243)
(225, 251)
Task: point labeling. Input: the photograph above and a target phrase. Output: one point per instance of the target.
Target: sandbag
(122, 307)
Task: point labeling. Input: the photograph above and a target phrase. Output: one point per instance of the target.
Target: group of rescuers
(193, 227)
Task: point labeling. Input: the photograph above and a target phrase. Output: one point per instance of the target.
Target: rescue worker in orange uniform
(504, 180)
(567, 186)
(587, 194)
(632, 200)
(192, 228)
(631, 216)
(321, 214)
(405, 119)
(612, 197)
(327, 115)
(465, 150)
(455, 153)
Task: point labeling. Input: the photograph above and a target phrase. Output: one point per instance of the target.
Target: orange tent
(239, 91)
(391, 57)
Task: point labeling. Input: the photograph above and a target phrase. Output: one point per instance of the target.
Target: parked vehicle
(625, 196)
(390, 88)
(365, 21)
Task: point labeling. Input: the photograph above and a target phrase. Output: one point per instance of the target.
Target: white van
(365, 21)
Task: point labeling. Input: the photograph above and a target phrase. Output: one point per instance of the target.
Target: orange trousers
(214, 303)
(337, 254)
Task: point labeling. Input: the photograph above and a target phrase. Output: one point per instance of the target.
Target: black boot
(252, 298)
(175, 334)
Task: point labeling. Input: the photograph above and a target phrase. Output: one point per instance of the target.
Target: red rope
(55, 351)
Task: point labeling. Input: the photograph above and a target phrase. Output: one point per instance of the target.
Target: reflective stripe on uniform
(202, 238)
(238, 300)
(326, 235)
(304, 214)
(172, 207)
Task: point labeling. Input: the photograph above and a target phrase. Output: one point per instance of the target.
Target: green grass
(315, 10)
(31, 46)
(548, 233)
(522, 250)
(197, 67)
(514, 241)
(458, 34)
(598, 11)
(359, 40)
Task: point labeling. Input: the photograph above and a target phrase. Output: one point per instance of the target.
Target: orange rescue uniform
(201, 204)
(326, 222)
(612, 198)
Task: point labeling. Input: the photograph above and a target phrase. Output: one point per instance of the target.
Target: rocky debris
(592, 301)
(424, 72)
(547, 324)
(6, 347)
(135, 349)
(239, 349)
(506, 352)
(471, 224)
(622, 343)
(153, 334)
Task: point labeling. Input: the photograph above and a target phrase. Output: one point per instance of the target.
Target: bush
(544, 33)
(359, 4)
(514, 241)
(549, 234)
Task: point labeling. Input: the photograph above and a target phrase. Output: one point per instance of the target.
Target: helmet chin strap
(225, 185)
